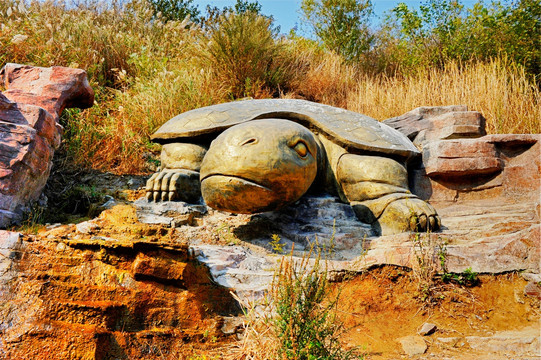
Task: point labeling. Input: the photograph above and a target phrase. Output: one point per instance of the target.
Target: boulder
(29, 130)
(461, 157)
(52, 89)
(28, 139)
(428, 123)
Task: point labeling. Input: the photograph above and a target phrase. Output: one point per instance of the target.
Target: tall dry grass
(499, 90)
(145, 71)
(324, 77)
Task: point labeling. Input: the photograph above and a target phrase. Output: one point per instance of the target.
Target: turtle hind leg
(377, 189)
(179, 177)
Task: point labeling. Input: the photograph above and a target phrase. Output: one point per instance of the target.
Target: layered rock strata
(104, 298)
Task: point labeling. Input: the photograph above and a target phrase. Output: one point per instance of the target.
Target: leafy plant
(244, 55)
(341, 25)
(276, 244)
(306, 323)
(443, 31)
(175, 9)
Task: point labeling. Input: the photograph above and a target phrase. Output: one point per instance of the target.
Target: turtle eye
(301, 149)
(249, 141)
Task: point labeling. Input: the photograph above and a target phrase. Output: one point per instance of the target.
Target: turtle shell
(347, 128)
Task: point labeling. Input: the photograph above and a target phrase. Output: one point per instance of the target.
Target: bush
(444, 31)
(341, 25)
(244, 55)
(306, 323)
(175, 9)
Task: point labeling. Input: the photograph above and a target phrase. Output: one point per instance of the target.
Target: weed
(431, 271)
(467, 278)
(276, 245)
(305, 323)
(225, 233)
(428, 250)
(33, 220)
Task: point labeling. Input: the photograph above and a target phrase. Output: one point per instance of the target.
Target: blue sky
(286, 12)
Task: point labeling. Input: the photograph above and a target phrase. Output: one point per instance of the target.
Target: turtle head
(259, 165)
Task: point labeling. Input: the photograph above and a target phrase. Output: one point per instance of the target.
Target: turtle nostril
(249, 141)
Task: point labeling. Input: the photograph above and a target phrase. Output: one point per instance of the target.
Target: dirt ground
(385, 304)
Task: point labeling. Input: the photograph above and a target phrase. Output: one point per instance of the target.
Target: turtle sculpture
(253, 156)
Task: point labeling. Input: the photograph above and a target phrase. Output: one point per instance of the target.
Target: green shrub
(244, 55)
(443, 31)
(175, 9)
(341, 25)
(306, 323)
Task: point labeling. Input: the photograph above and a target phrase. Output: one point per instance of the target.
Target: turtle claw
(410, 214)
(174, 184)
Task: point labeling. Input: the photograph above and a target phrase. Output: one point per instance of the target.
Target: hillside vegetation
(148, 61)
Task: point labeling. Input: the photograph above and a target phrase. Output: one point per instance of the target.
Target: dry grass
(325, 78)
(499, 90)
(145, 71)
(114, 135)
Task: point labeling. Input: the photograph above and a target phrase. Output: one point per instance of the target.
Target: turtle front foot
(174, 184)
(409, 214)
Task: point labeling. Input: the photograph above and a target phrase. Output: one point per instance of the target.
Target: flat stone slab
(523, 341)
(479, 236)
(170, 213)
(413, 345)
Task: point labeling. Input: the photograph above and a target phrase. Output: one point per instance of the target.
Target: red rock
(419, 119)
(168, 270)
(461, 157)
(533, 289)
(53, 88)
(504, 167)
(29, 131)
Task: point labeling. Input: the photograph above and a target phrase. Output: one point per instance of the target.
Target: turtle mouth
(242, 180)
(236, 194)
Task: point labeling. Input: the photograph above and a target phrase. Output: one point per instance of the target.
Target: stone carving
(490, 213)
(29, 130)
(261, 155)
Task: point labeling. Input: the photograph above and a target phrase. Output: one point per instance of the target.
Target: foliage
(468, 277)
(240, 7)
(514, 31)
(175, 9)
(341, 25)
(146, 69)
(305, 322)
(430, 269)
(442, 31)
(244, 55)
(276, 245)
